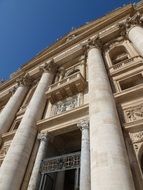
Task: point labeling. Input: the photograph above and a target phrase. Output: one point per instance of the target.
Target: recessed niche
(131, 82)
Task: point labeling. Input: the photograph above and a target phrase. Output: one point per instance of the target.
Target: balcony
(129, 94)
(69, 86)
(126, 64)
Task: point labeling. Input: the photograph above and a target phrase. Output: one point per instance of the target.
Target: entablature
(59, 123)
(61, 52)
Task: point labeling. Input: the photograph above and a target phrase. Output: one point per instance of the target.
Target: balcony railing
(67, 87)
(128, 62)
(61, 163)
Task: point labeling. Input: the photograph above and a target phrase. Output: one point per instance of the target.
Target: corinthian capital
(24, 80)
(12, 91)
(93, 43)
(43, 137)
(83, 124)
(130, 22)
(49, 66)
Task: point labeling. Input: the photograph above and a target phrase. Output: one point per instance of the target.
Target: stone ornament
(3, 151)
(92, 43)
(136, 137)
(43, 136)
(61, 71)
(24, 80)
(136, 19)
(49, 66)
(83, 124)
(12, 91)
(134, 113)
(61, 163)
(137, 147)
(70, 38)
(66, 105)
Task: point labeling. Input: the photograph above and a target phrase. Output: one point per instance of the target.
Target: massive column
(135, 35)
(16, 160)
(109, 162)
(8, 113)
(35, 176)
(131, 26)
(85, 156)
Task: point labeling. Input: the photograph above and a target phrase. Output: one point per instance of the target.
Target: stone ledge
(63, 121)
(129, 94)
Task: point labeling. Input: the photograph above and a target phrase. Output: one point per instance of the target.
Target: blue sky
(28, 26)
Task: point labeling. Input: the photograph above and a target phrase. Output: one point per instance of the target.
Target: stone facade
(72, 118)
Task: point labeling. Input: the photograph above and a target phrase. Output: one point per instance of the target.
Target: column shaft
(35, 176)
(85, 157)
(8, 113)
(109, 163)
(135, 35)
(16, 160)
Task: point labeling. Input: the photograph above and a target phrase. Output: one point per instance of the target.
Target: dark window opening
(118, 54)
(131, 82)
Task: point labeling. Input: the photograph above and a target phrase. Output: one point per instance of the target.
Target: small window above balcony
(131, 82)
(69, 86)
(118, 54)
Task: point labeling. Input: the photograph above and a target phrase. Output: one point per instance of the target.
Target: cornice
(63, 120)
(84, 31)
(81, 33)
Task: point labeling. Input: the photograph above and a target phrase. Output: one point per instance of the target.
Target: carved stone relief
(134, 113)
(66, 105)
(136, 137)
(3, 151)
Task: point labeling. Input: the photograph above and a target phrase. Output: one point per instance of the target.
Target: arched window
(118, 54)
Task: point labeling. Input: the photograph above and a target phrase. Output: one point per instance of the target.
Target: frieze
(134, 113)
(66, 105)
(136, 137)
(61, 163)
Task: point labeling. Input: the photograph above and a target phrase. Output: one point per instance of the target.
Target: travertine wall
(95, 72)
